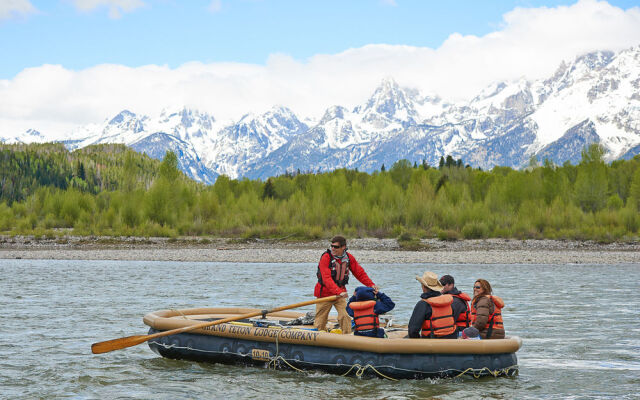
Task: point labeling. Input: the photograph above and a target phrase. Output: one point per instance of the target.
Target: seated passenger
(432, 316)
(460, 303)
(470, 333)
(486, 311)
(364, 307)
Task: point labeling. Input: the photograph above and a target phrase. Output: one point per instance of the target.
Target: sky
(67, 63)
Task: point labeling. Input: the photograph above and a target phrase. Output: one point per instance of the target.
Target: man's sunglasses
(335, 246)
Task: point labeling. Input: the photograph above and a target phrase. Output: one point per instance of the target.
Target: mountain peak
(594, 60)
(125, 121)
(122, 116)
(389, 102)
(34, 133)
(333, 112)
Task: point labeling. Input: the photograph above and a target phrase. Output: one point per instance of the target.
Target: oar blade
(117, 344)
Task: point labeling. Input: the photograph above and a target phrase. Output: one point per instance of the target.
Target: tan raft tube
(171, 319)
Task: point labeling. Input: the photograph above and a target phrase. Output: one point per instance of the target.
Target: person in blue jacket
(364, 307)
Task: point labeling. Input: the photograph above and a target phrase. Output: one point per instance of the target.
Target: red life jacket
(495, 318)
(363, 315)
(339, 271)
(463, 318)
(441, 322)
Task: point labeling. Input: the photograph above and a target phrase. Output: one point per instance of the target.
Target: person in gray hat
(432, 316)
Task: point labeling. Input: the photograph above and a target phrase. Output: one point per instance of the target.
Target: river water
(580, 326)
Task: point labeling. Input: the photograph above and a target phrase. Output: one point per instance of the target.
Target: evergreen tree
(81, 172)
(269, 191)
(450, 162)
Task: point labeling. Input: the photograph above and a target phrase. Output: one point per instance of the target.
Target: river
(580, 326)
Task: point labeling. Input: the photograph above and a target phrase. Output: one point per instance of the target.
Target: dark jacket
(459, 306)
(383, 304)
(422, 312)
(485, 307)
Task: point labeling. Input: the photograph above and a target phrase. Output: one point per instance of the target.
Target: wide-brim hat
(430, 280)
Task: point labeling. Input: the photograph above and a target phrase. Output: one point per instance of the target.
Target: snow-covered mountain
(592, 99)
(181, 132)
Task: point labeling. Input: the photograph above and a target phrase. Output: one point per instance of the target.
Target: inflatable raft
(277, 342)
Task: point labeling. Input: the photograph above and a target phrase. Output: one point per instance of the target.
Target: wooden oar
(121, 343)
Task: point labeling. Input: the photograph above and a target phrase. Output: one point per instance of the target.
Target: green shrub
(448, 235)
(614, 202)
(475, 230)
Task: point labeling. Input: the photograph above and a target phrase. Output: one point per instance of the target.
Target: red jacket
(330, 288)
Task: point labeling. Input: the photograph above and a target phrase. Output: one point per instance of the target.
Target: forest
(110, 190)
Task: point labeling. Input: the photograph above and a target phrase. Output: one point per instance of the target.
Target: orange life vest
(463, 318)
(441, 322)
(363, 315)
(495, 318)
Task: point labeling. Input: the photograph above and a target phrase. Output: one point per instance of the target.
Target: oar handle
(129, 341)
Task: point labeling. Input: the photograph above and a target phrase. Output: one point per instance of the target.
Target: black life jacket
(339, 271)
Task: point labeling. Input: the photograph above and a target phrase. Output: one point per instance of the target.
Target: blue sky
(81, 34)
(67, 63)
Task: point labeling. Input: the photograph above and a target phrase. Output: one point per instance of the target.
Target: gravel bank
(368, 250)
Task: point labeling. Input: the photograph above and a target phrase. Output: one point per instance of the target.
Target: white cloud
(530, 43)
(10, 9)
(389, 2)
(215, 6)
(115, 7)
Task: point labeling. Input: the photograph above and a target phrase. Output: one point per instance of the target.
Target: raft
(277, 342)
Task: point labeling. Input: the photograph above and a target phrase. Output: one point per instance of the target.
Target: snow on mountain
(342, 138)
(388, 108)
(236, 146)
(598, 87)
(593, 99)
(179, 131)
(157, 144)
(29, 136)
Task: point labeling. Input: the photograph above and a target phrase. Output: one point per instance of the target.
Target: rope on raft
(362, 369)
(277, 357)
(477, 373)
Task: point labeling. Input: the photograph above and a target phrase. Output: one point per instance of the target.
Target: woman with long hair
(486, 311)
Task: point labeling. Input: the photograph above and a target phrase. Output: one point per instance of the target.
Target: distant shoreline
(366, 250)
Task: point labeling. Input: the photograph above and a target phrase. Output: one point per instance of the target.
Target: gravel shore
(367, 250)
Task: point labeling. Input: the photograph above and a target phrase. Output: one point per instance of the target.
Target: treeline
(93, 169)
(591, 200)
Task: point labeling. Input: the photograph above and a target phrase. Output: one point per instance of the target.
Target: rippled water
(580, 327)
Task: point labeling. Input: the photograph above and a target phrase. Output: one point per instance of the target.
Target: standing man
(460, 303)
(333, 276)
